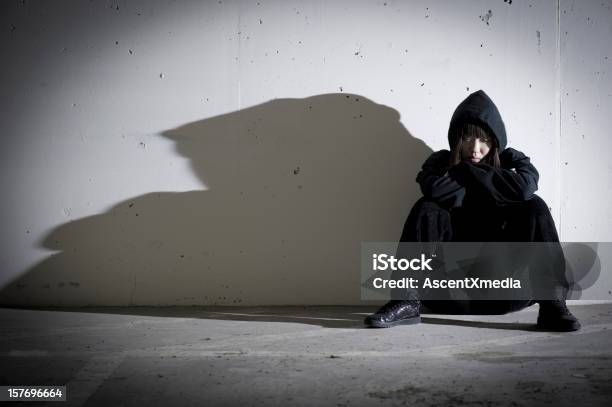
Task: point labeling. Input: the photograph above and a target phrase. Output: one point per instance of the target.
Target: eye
(466, 138)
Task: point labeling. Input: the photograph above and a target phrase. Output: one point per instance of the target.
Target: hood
(478, 108)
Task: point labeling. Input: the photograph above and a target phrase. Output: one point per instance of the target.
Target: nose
(475, 147)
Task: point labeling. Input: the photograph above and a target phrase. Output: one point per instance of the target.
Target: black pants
(528, 221)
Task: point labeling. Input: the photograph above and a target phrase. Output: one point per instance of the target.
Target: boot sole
(556, 328)
(407, 321)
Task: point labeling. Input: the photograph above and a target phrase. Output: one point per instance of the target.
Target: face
(475, 149)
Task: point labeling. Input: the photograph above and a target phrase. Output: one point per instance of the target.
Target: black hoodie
(479, 184)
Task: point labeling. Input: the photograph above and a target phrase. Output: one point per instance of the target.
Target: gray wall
(238, 152)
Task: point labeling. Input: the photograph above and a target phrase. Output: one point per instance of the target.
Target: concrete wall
(238, 152)
(585, 104)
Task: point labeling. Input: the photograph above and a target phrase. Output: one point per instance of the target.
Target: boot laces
(394, 305)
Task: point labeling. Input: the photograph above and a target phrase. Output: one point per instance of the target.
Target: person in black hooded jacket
(480, 190)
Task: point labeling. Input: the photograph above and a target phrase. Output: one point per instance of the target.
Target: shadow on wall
(294, 186)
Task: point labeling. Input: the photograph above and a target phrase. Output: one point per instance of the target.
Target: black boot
(395, 312)
(554, 316)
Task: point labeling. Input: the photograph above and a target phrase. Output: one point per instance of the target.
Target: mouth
(475, 160)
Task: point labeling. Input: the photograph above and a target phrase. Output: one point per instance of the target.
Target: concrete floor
(315, 356)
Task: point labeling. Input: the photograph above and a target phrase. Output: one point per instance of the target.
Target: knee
(427, 221)
(428, 209)
(428, 206)
(535, 206)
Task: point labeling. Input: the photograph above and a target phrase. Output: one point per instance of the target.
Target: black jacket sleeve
(436, 182)
(515, 181)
